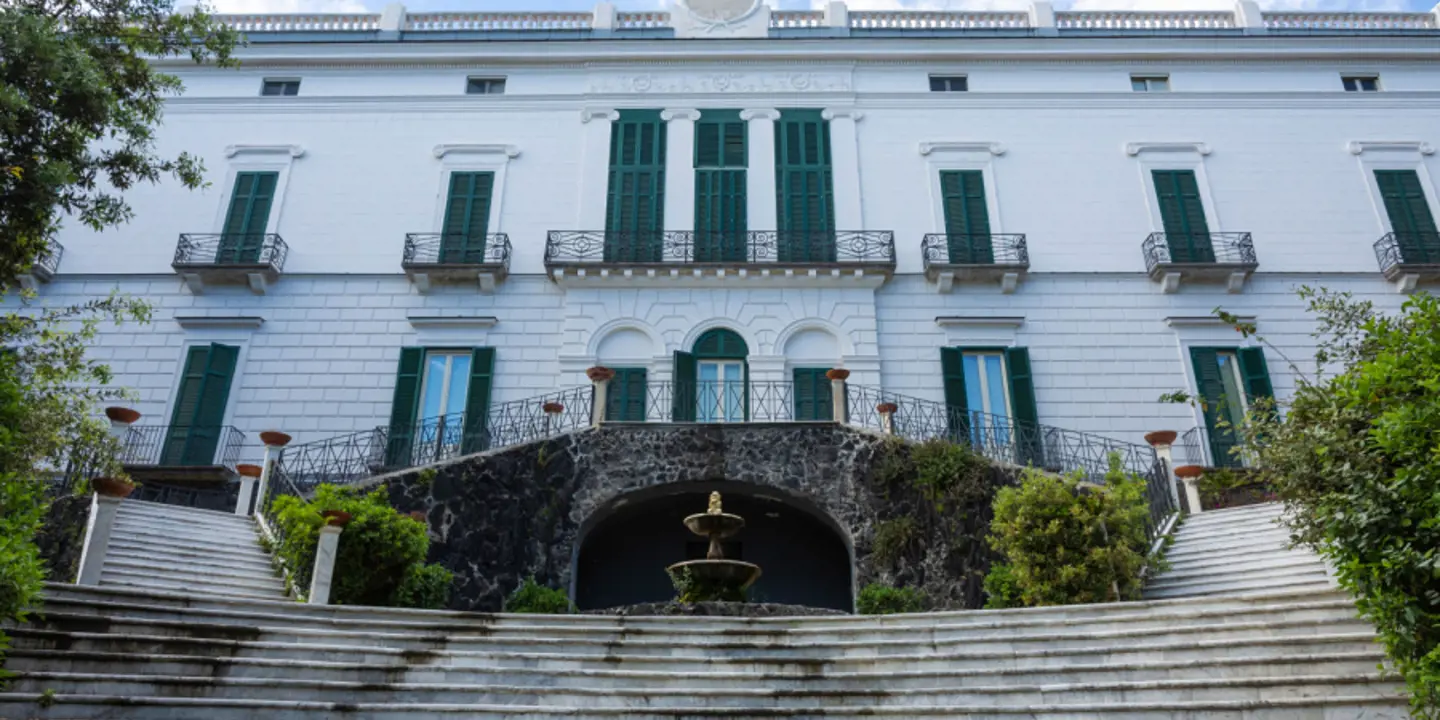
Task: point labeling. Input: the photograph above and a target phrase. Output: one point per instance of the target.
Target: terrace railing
(1121, 20)
(496, 21)
(1349, 22)
(975, 249)
(425, 249)
(938, 20)
(1207, 248)
(182, 446)
(839, 247)
(302, 22)
(231, 249)
(722, 402)
(1398, 251)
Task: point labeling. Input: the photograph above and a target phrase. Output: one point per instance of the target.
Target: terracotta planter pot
(1161, 437)
(112, 487)
(275, 438)
(838, 374)
(553, 408)
(419, 516)
(600, 374)
(122, 415)
(1189, 471)
(250, 471)
(338, 518)
(887, 408)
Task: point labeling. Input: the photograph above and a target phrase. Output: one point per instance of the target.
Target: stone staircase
(1238, 550)
(112, 652)
(183, 550)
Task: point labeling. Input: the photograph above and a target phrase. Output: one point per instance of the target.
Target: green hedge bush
(534, 598)
(877, 599)
(1066, 543)
(381, 561)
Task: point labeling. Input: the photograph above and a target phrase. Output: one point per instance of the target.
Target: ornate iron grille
(1228, 248)
(165, 445)
(263, 249)
(456, 249)
(1397, 250)
(718, 401)
(840, 247)
(947, 249)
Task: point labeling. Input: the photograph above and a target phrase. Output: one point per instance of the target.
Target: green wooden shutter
(1029, 444)
(1182, 212)
(683, 389)
(467, 217)
(804, 189)
(195, 423)
(967, 217)
(721, 158)
(404, 406)
(477, 432)
(957, 403)
(635, 209)
(1255, 373)
(1211, 390)
(248, 218)
(814, 399)
(1410, 217)
(625, 401)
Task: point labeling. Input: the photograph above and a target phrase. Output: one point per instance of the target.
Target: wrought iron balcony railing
(722, 402)
(222, 499)
(1189, 449)
(48, 263)
(1400, 252)
(1235, 249)
(755, 247)
(977, 249)
(431, 249)
(182, 446)
(264, 250)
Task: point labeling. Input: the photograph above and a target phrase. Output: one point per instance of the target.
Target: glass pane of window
(1137, 84)
(459, 384)
(734, 392)
(1234, 400)
(432, 402)
(995, 386)
(975, 390)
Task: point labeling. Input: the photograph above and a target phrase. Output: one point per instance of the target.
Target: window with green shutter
(1410, 216)
(199, 412)
(804, 190)
(1182, 212)
(467, 217)
(243, 236)
(721, 158)
(814, 396)
(990, 400)
(441, 404)
(967, 217)
(1227, 381)
(625, 399)
(635, 208)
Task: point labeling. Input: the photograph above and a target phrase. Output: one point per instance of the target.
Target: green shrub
(877, 599)
(1065, 543)
(382, 553)
(949, 473)
(1232, 487)
(690, 589)
(532, 597)
(1001, 590)
(894, 538)
(1355, 458)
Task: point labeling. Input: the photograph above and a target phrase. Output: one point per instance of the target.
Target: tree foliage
(79, 101)
(1356, 459)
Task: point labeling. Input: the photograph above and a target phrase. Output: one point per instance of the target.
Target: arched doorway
(624, 553)
(712, 380)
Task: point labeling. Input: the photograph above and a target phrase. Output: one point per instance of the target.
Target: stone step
(129, 552)
(1227, 514)
(181, 572)
(151, 509)
(1245, 527)
(1206, 523)
(241, 533)
(453, 652)
(259, 589)
(1203, 590)
(741, 697)
(1259, 543)
(431, 670)
(1280, 572)
(1201, 563)
(159, 540)
(95, 707)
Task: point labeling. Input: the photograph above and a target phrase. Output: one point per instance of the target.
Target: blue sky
(245, 6)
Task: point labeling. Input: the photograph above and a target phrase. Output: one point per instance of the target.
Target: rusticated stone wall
(498, 517)
(62, 536)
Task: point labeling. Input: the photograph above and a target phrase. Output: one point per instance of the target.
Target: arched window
(712, 381)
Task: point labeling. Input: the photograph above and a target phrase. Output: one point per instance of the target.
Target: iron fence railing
(1397, 250)
(349, 459)
(1015, 442)
(219, 499)
(1218, 248)
(182, 446)
(1189, 449)
(975, 249)
(228, 249)
(48, 262)
(422, 249)
(722, 402)
(838, 247)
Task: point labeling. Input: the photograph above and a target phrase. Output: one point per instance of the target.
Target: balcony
(1227, 257)
(439, 258)
(1409, 258)
(253, 259)
(44, 268)
(182, 453)
(841, 258)
(975, 258)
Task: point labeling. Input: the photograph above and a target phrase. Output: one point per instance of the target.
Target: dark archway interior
(623, 559)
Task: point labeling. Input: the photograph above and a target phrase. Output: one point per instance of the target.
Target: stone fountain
(715, 573)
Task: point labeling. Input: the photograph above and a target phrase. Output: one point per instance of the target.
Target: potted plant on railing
(337, 518)
(113, 487)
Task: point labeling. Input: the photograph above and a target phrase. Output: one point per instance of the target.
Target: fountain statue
(714, 578)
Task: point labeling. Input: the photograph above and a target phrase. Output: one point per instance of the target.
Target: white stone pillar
(887, 417)
(121, 418)
(601, 377)
(837, 15)
(680, 168)
(249, 474)
(595, 168)
(1249, 18)
(326, 551)
(760, 210)
(97, 538)
(1163, 442)
(845, 164)
(392, 18)
(603, 17)
(1190, 475)
(838, 376)
(1042, 18)
(275, 441)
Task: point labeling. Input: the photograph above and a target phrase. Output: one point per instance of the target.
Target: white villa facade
(1030, 214)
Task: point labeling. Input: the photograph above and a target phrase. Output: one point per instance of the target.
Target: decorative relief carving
(739, 82)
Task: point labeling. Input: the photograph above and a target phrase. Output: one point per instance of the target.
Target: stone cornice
(293, 151)
(978, 321)
(992, 148)
(431, 322)
(211, 322)
(1179, 321)
(1195, 148)
(1358, 147)
(509, 151)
